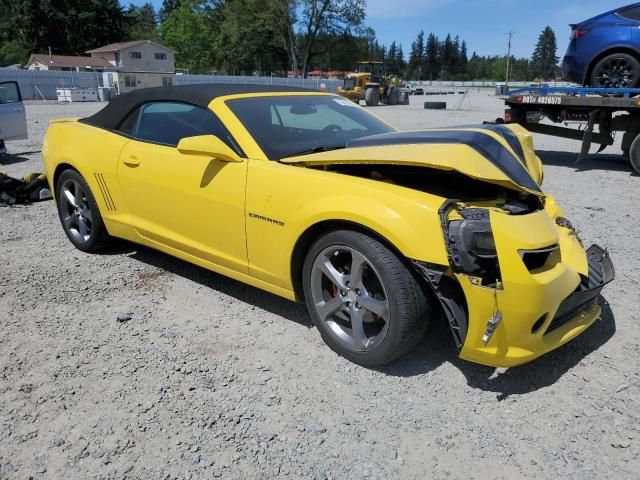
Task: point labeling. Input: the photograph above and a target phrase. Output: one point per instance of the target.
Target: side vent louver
(105, 192)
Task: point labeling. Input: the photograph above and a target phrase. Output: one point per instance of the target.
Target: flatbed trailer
(610, 109)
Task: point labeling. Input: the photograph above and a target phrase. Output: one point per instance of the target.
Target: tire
(618, 70)
(634, 155)
(435, 105)
(372, 96)
(394, 96)
(345, 313)
(81, 220)
(627, 140)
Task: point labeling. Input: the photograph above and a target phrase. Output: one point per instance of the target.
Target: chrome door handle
(18, 109)
(132, 161)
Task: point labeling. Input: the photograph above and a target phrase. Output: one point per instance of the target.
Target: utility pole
(506, 82)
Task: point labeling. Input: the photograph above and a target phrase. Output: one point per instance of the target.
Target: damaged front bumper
(532, 310)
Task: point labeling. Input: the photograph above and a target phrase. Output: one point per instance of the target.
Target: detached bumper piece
(601, 272)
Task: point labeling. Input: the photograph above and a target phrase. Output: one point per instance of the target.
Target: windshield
(284, 126)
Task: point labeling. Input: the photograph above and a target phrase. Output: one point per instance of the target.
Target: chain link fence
(42, 85)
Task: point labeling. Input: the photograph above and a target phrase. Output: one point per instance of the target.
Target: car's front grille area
(536, 259)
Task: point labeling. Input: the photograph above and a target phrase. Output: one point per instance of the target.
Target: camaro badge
(266, 219)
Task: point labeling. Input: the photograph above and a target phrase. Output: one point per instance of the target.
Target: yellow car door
(190, 202)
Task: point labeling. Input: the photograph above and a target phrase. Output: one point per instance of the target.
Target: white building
(142, 56)
(138, 64)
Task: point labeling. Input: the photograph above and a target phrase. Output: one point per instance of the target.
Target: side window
(128, 126)
(9, 93)
(167, 123)
(630, 14)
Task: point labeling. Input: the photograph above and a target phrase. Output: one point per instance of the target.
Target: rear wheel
(365, 302)
(79, 214)
(618, 70)
(394, 96)
(372, 96)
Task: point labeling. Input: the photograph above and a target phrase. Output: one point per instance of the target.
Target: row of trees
(246, 36)
(448, 59)
(223, 35)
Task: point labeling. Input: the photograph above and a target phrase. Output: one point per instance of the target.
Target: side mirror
(208, 145)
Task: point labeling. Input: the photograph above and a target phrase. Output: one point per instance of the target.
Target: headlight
(471, 245)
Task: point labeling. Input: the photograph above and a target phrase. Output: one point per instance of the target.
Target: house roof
(115, 47)
(69, 61)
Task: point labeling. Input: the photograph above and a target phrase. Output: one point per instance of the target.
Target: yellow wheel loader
(371, 83)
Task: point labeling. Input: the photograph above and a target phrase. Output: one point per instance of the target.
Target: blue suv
(605, 50)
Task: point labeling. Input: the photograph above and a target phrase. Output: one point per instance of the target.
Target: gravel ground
(132, 364)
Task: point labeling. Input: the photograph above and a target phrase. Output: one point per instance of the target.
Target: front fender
(278, 217)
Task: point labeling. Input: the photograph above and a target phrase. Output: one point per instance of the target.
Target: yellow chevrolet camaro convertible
(311, 197)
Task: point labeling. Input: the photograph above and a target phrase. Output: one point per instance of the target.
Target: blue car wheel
(618, 70)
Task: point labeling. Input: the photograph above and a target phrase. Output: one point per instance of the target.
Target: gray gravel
(132, 364)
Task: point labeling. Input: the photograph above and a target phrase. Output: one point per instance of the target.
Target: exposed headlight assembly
(471, 246)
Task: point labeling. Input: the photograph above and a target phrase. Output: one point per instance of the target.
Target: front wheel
(364, 300)
(79, 214)
(372, 96)
(618, 70)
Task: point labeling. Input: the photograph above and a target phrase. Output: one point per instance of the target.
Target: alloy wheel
(616, 73)
(349, 298)
(76, 213)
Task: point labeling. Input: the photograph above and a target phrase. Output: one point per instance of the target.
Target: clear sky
(482, 23)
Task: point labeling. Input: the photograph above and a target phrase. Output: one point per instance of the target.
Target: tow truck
(610, 109)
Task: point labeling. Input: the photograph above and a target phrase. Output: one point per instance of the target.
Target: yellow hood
(475, 152)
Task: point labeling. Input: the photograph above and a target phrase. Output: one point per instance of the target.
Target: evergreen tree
(400, 62)
(251, 32)
(142, 23)
(464, 59)
(432, 57)
(416, 57)
(448, 58)
(544, 60)
(167, 7)
(391, 65)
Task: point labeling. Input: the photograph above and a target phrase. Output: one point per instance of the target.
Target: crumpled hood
(494, 153)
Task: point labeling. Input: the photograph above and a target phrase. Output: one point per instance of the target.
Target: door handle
(18, 109)
(132, 161)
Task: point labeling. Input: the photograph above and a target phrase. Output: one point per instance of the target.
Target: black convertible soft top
(201, 94)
